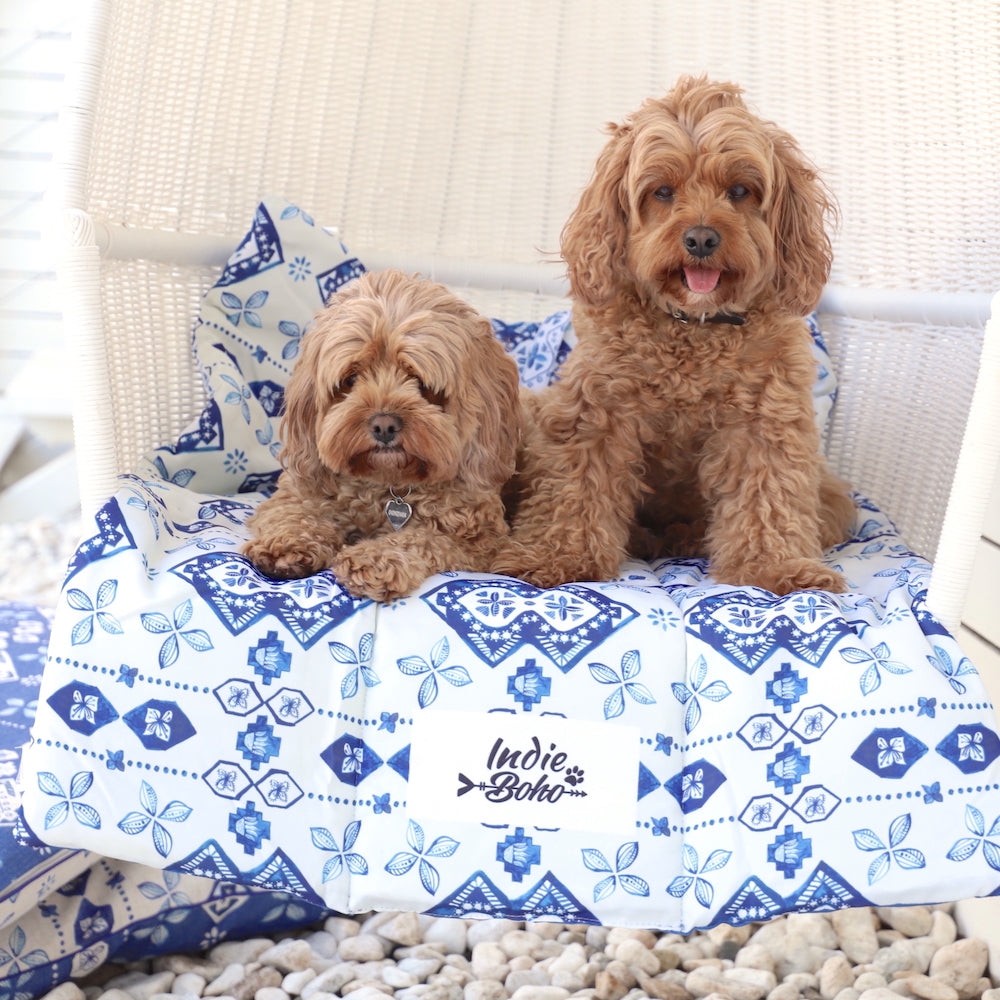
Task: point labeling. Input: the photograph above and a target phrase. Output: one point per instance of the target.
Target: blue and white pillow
(245, 341)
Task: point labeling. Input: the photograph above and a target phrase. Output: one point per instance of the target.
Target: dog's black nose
(701, 241)
(385, 427)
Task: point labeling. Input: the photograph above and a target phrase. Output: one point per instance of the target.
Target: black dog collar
(731, 318)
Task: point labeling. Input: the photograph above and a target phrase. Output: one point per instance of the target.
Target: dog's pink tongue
(701, 279)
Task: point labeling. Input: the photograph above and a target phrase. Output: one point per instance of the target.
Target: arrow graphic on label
(502, 788)
(467, 784)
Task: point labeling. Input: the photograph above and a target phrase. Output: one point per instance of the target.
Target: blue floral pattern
(843, 743)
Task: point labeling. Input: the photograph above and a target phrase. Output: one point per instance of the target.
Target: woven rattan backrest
(465, 129)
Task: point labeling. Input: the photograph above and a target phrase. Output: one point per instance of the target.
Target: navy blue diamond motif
(82, 707)
(250, 827)
(350, 759)
(159, 725)
(529, 685)
(269, 658)
(786, 687)
(695, 785)
(889, 753)
(970, 748)
(789, 851)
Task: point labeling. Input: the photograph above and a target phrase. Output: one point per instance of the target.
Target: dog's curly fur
(672, 430)
(400, 387)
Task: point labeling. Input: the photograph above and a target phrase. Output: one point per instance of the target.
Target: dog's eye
(738, 192)
(347, 382)
(665, 193)
(430, 395)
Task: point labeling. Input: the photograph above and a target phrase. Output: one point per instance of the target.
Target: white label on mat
(492, 767)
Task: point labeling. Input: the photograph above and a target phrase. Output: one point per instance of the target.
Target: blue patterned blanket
(657, 751)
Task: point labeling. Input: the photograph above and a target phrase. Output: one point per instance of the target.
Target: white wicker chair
(452, 137)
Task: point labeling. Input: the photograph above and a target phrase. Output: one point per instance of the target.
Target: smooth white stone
(295, 982)
(189, 982)
(361, 948)
(484, 989)
(232, 975)
(240, 952)
(539, 993)
(961, 964)
(451, 934)
(479, 931)
(636, 955)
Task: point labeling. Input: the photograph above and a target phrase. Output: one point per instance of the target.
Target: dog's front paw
(515, 564)
(542, 577)
(377, 572)
(787, 577)
(289, 562)
(545, 567)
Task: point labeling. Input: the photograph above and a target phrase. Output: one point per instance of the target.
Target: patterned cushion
(65, 912)
(658, 750)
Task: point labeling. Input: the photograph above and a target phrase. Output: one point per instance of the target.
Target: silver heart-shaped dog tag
(398, 512)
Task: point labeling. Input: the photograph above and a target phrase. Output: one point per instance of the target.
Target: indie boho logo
(528, 774)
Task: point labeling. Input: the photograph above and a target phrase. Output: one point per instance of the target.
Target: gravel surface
(860, 954)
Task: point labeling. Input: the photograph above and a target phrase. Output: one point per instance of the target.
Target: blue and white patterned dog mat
(658, 751)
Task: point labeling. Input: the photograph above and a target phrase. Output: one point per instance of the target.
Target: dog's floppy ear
(593, 239)
(308, 393)
(490, 401)
(801, 208)
(301, 407)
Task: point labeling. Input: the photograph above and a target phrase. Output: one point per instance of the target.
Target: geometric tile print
(276, 872)
(498, 617)
(113, 536)
(747, 628)
(822, 891)
(480, 897)
(259, 251)
(241, 597)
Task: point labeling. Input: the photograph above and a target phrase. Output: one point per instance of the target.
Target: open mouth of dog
(701, 280)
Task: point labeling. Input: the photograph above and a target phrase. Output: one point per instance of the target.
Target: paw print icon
(574, 776)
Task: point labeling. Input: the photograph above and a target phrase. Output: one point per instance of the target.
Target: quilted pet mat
(658, 751)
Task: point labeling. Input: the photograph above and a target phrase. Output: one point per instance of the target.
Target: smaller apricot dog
(682, 421)
(401, 424)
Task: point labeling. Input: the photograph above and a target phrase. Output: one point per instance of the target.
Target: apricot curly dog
(401, 425)
(682, 422)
